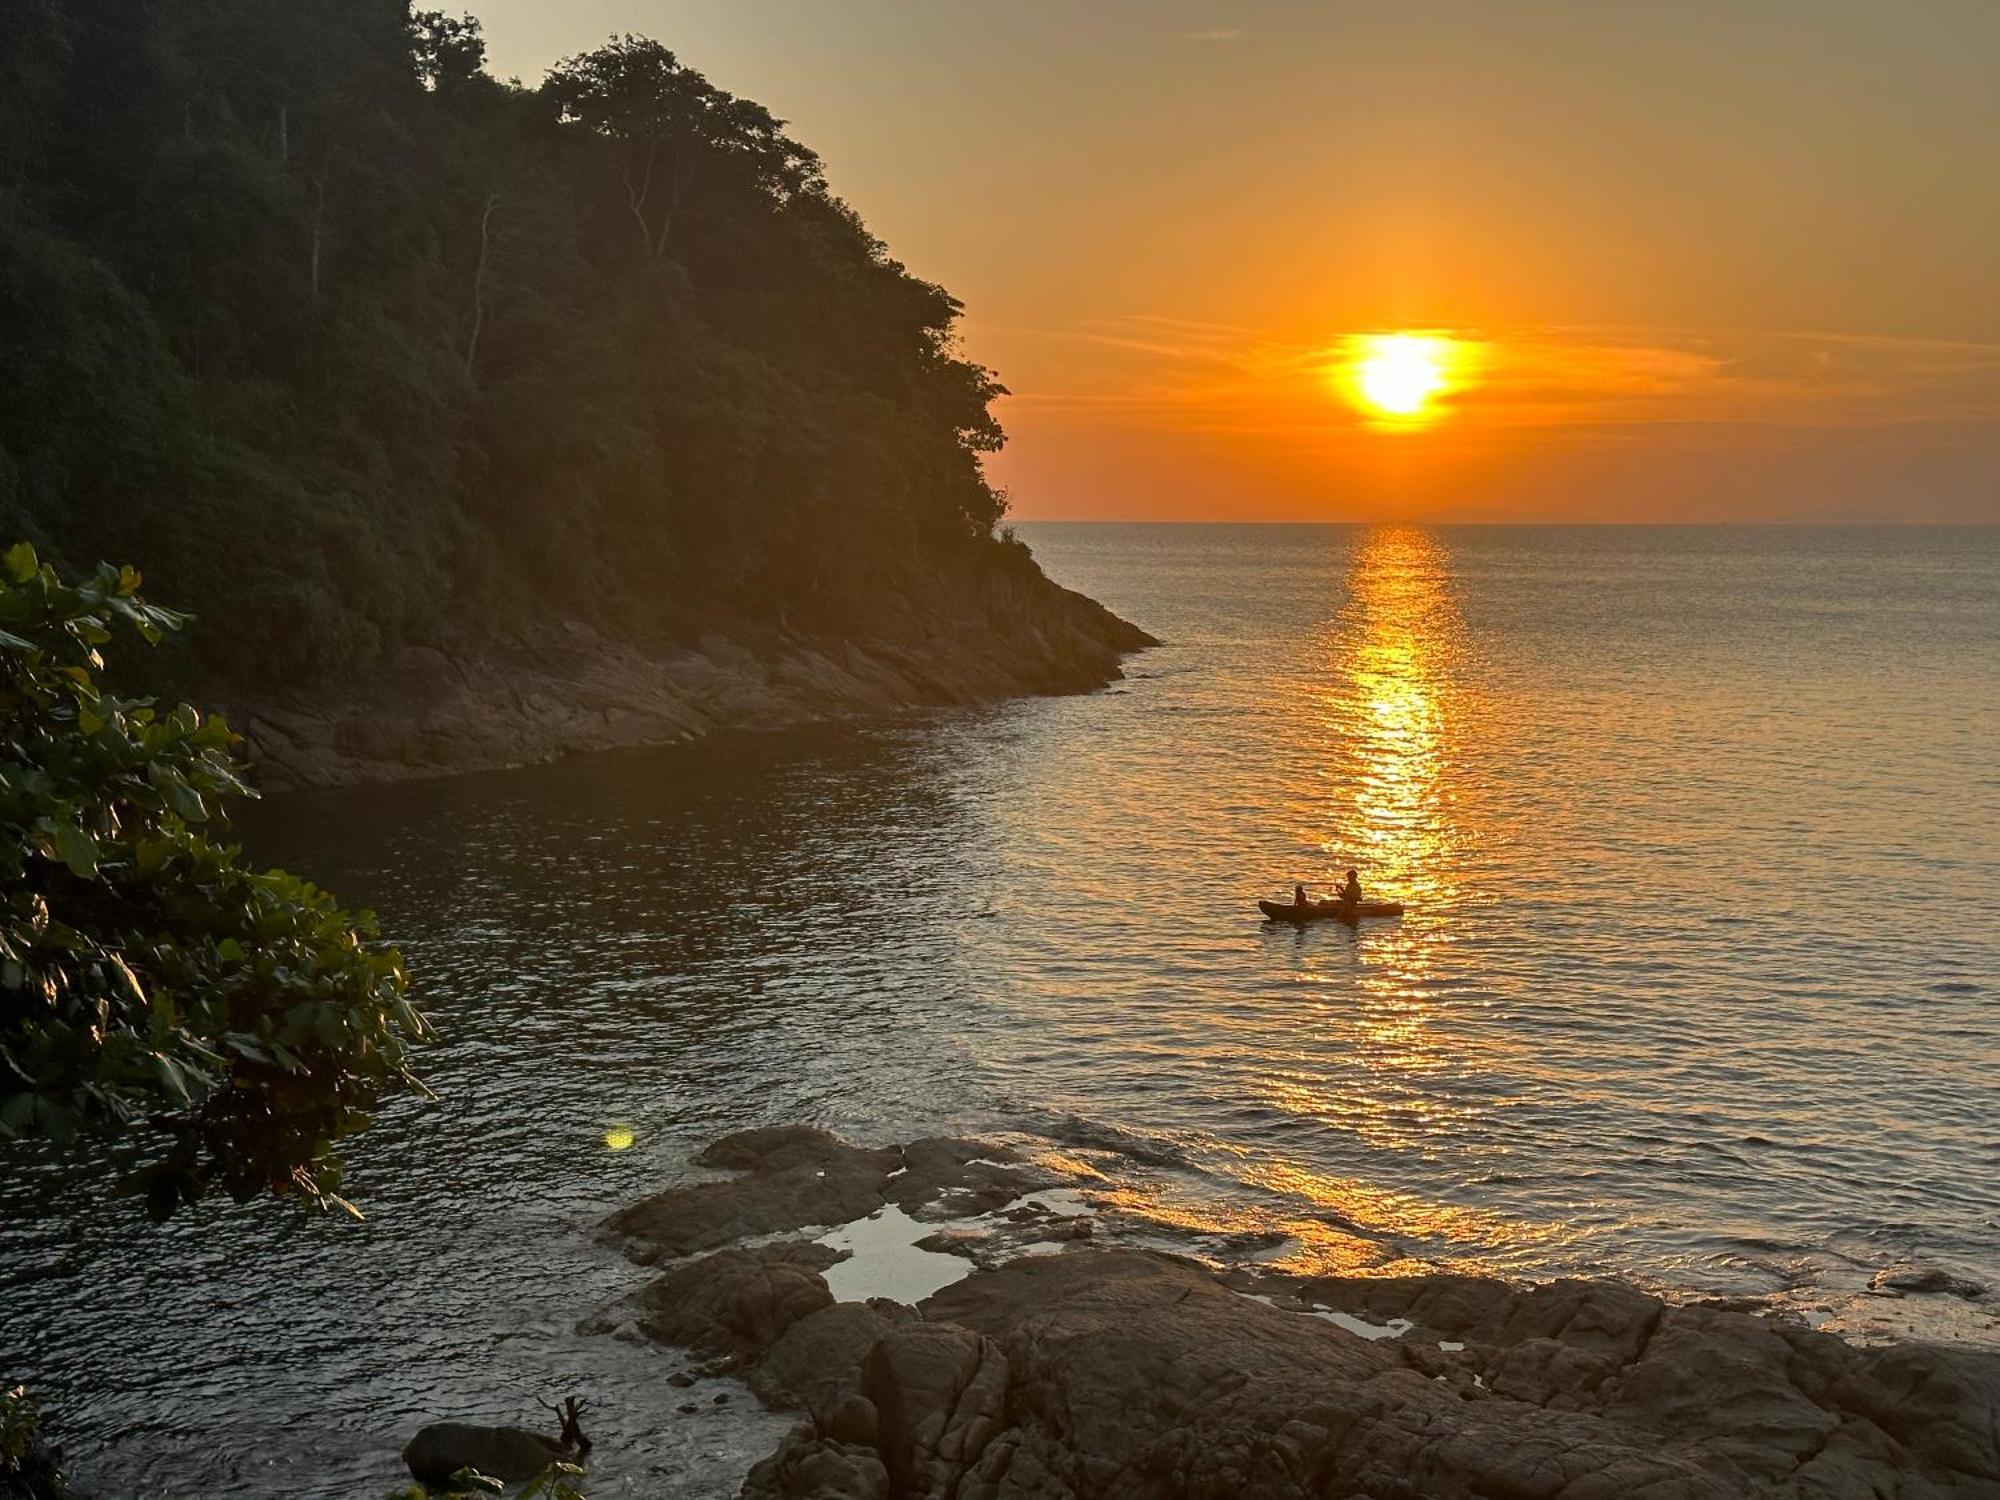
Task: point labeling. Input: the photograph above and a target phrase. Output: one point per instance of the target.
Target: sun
(1397, 378)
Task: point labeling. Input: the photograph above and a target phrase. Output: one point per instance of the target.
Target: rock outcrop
(511, 1453)
(1121, 1373)
(431, 712)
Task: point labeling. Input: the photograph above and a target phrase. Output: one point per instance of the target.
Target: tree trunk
(479, 286)
(678, 179)
(318, 221)
(636, 197)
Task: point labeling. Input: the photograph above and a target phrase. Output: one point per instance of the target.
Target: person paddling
(1349, 895)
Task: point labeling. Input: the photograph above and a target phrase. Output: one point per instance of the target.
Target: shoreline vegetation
(474, 423)
(1022, 1358)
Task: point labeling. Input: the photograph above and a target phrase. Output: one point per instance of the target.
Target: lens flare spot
(619, 1138)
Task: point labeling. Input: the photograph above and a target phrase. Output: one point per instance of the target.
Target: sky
(1709, 260)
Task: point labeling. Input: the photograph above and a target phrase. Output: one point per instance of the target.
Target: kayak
(1321, 911)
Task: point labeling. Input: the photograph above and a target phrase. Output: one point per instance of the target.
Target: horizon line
(1765, 525)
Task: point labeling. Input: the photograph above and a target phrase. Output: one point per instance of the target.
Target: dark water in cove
(1700, 983)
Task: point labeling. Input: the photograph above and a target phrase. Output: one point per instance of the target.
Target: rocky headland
(428, 711)
(1014, 1355)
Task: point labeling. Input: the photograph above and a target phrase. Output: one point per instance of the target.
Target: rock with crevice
(1122, 1374)
(787, 1179)
(736, 1303)
(427, 710)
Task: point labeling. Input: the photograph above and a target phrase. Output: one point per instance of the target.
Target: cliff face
(429, 711)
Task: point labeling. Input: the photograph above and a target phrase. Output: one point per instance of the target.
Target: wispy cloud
(1216, 34)
(1217, 377)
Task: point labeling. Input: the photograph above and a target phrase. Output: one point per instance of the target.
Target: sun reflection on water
(1387, 714)
(1391, 717)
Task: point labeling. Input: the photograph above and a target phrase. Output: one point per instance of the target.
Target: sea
(1698, 982)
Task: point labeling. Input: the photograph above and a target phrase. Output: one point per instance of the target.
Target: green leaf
(20, 563)
(77, 849)
(184, 800)
(171, 1075)
(245, 1045)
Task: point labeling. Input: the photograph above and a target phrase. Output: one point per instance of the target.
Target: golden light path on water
(1387, 725)
(1381, 733)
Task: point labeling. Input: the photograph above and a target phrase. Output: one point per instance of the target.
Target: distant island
(479, 423)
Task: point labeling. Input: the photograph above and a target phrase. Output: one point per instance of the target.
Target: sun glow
(1398, 378)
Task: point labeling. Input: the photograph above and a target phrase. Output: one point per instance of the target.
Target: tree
(667, 118)
(224, 1027)
(449, 52)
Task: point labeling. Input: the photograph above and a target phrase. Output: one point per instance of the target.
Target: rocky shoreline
(1012, 1355)
(572, 690)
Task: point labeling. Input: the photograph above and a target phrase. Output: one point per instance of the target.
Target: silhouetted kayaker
(1299, 896)
(1349, 895)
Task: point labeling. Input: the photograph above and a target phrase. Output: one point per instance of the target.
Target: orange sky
(1724, 260)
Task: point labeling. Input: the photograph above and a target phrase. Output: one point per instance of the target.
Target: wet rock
(940, 1395)
(854, 1419)
(809, 1467)
(1722, 1383)
(510, 1453)
(1125, 1363)
(735, 1302)
(943, 1169)
(1128, 1375)
(813, 1364)
(790, 1177)
(1926, 1280)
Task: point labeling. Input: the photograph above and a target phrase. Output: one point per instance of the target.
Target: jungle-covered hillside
(348, 344)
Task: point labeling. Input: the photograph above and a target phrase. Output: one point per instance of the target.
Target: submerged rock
(1122, 1374)
(1926, 1280)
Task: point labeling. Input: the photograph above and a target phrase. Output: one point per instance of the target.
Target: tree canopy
(227, 1027)
(351, 344)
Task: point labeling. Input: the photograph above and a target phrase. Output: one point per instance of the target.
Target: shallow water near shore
(1700, 983)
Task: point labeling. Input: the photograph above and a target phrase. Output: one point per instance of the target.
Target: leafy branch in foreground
(226, 1026)
(28, 1466)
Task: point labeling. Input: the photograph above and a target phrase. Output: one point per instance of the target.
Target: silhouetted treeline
(347, 343)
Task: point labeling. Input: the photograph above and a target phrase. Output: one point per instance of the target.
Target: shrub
(217, 1026)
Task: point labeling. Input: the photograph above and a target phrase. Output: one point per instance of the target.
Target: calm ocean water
(1700, 983)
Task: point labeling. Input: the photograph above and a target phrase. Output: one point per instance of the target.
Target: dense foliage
(351, 344)
(28, 1467)
(227, 1027)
